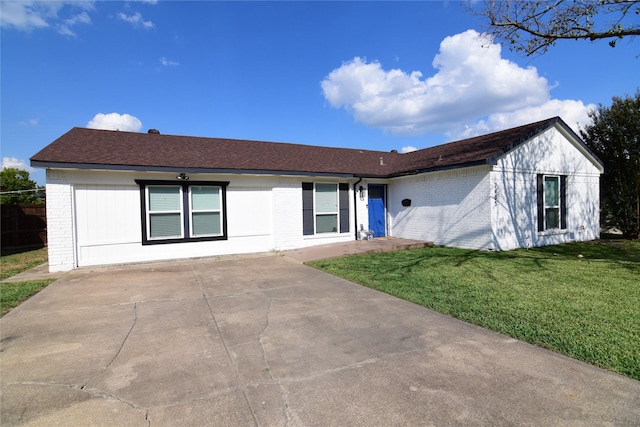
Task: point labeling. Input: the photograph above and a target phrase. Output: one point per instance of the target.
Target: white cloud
(115, 121)
(31, 15)
(24, 16)
(472, 82)
(30, 122)
(408, 149)
(574, 113)
(136, 20)
(168, 63)
(65, 26)
(12, 162)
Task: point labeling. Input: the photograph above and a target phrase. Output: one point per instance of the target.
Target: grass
(584, 307)
(12, 294)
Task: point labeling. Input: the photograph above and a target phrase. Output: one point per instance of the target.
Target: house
(118, 197)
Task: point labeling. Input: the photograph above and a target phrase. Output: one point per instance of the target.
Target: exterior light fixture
(361, 191)
(182, 177)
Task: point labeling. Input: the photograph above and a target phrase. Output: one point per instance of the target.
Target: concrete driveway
(264, 340)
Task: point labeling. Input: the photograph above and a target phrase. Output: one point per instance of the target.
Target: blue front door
(377, 221)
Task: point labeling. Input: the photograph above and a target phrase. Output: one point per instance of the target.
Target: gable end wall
(513, 183)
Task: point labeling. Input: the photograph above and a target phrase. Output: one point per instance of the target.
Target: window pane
(164, 199)
(326, 223)
(326, 198)
(375, 191)
(205, 198)
(552, 218)
(551, 193)
(165, 225)
(206, 223)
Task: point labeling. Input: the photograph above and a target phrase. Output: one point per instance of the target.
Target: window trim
(186, 210)
(309, 214)
(193, 212)
(542, 203)
(548, 205)
(334, 213)
(149, 213)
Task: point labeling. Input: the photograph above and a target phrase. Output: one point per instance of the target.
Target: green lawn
(584, 307)
(12, 294)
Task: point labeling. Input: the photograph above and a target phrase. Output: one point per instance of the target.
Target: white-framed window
(552, 205)
(180, 212)
(551, 202)
(164, 213)
(325, 208)
(205, 206)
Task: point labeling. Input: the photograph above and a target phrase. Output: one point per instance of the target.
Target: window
(165, 212)
(325, 208)
(174, 213)
(206, 216)
(552, 202)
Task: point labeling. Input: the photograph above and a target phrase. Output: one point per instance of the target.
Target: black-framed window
(552, 202)
(176, 212)
(325, 208)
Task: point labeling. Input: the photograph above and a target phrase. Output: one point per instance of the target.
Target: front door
(377, 216)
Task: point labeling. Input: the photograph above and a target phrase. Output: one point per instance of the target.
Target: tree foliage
(17, 187)
(534, 26)
(614, 137)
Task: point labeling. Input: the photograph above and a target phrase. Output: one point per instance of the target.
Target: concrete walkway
(335, 250)
(264, 340)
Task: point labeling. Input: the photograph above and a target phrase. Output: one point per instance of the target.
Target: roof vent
(381, 161)
(394, 151)
(153, 131)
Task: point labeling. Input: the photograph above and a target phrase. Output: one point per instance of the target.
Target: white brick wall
(515, 215)
(449, 208)
(287, 216)
(60, 228)
(496, 207)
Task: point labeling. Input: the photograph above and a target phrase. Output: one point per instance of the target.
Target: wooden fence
(24, 226)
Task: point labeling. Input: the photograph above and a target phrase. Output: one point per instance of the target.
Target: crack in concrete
(83, 388)
(226, 348)
(135, 320)
(290, 418)
(100, 393)
(105, 395)
(359, 364)
(266, 328)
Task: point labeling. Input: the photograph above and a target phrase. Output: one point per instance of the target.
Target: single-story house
(119, 197)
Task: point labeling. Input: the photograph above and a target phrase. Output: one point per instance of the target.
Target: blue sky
(373, 75)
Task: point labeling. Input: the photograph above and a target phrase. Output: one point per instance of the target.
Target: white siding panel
(106, 216)
(287, 213)
(249, 211)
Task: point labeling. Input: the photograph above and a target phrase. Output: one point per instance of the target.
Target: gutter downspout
(355, 205)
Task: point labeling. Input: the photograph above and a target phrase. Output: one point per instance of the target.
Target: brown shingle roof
(91, 148)
(88, 147)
